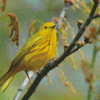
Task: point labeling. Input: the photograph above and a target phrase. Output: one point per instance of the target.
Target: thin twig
(75, 49)
(52, 64)
(22, 87)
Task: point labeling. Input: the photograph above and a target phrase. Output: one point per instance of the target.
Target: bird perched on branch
(34, 55)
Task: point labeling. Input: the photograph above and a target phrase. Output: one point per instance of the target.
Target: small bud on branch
(65, 47)
(69, 1)
(79, 23)
(55, 19)
(87, 39)
(80, 43)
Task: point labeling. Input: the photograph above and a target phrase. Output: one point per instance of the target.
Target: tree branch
(75, 49)
(52, 64)
(22, 87)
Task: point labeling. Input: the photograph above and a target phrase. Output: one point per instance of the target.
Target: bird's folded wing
(30, 44)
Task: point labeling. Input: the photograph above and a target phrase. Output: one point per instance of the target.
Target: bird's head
(47, 28)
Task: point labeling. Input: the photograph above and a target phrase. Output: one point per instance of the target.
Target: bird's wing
(31, 43)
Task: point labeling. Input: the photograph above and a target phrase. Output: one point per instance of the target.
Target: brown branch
(52, 64)
(97, 15)
(75, 49)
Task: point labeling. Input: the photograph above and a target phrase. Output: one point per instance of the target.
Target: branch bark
(22, 87)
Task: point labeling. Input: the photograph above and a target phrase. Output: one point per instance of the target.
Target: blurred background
(45, 10)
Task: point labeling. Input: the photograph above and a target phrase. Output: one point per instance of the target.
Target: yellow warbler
(34, 55)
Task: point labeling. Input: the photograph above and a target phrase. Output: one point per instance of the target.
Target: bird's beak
(53, 26)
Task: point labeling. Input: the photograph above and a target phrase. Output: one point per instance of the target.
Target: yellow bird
(34, 55)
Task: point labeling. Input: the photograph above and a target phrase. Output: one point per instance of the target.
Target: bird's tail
(6, 84)
(6, 77)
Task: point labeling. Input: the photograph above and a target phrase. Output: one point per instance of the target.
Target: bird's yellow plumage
(37, 51)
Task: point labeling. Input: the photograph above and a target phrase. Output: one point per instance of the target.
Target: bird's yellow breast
(39, 55)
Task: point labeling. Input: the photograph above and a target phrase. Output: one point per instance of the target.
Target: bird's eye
(45, 27)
